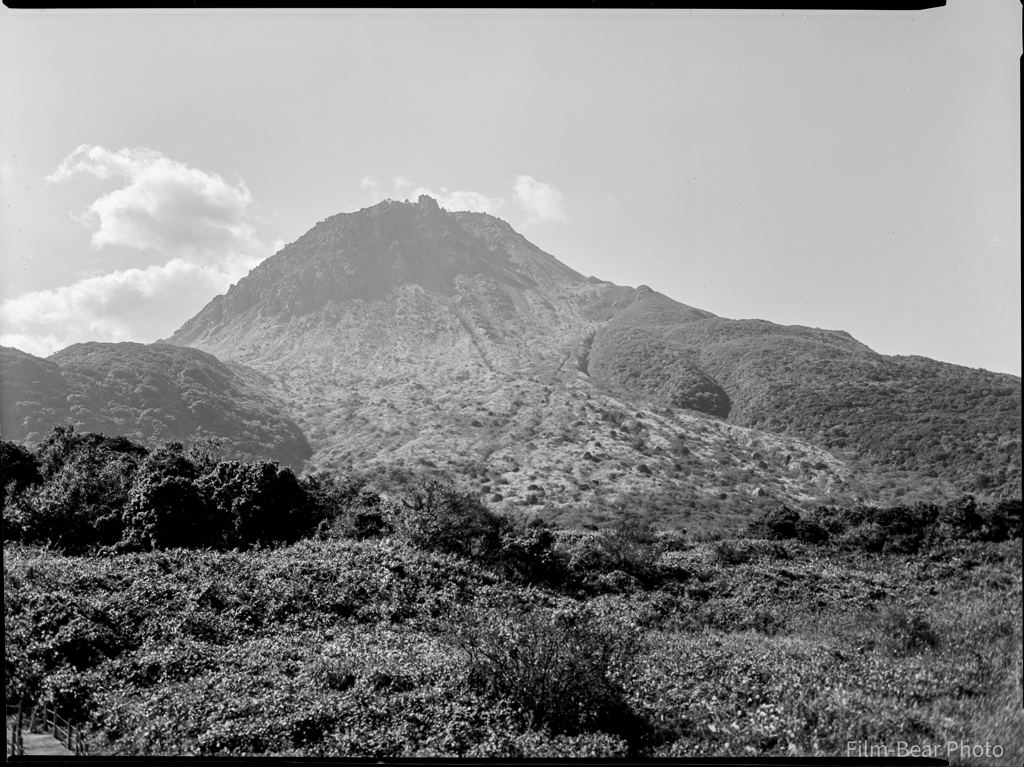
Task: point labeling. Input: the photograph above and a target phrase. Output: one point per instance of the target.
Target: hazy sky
(856, 171)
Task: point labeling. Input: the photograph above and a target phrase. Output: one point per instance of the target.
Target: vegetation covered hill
(910, 413)
(149, 393)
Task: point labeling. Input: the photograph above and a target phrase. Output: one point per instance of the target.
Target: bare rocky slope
(404, 338)
(149, 393)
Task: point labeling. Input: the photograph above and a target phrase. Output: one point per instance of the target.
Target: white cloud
(402, 181)
(130, 305)
(368, 182)
(165, 205)
(198, 220)
(461, 200)
(540, 201)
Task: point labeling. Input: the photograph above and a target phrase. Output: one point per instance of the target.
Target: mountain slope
(403, 337)
(907, 413)
(149, 393)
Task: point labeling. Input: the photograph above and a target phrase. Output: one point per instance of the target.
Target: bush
(906, 632)
(166, 508)
(630, 545)
(1002, 521)
(562, 670)
(727, 553)
(527, 553)
(961, 519)
(347, 505)
(776, 524)
(671, 540)
(585, 556)
(69, 694)
(868, 536)
(438, 516)
(265, 503)
(835, 521)
(79, 506)
(19, 469)
(809, 530)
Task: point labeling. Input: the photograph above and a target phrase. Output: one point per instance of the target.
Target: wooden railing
(46, 720)
(13, 720)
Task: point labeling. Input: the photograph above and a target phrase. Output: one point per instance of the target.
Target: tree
(81, 504)
(57, 448)
(438, 516)
(19, 469)
(167, 509)
(205, 453)
(353, 510)
(260, 502)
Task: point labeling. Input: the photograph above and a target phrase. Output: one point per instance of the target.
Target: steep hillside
(908, 413)
(149, 393)
(403, 338)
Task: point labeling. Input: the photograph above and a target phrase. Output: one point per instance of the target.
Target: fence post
(69, 734)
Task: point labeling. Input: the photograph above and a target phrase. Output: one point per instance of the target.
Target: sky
(855, 171)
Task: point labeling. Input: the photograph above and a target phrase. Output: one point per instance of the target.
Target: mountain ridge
(404, 325)
(402, 339)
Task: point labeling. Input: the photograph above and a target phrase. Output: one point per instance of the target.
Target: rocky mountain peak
(366, 254)
(403, 335)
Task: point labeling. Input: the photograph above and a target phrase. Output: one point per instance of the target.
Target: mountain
(148, 393)
(403, 337)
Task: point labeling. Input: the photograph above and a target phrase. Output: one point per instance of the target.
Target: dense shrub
(562, 669)
(630, 545)
(436, 515)
(527, 553)
(670, 540)
(906, 632)
(265, 502)
(585, 555)
(80, 505)
(775, 524)
(69, 694)
(894, 529)
(1002, 520)
(868, 536)
(63, 443)
(810, 530)
(19, 469)
(833, 520)
(346, 505)
(728, 553)
(167, 509)
(961, 519)
(351, 648)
